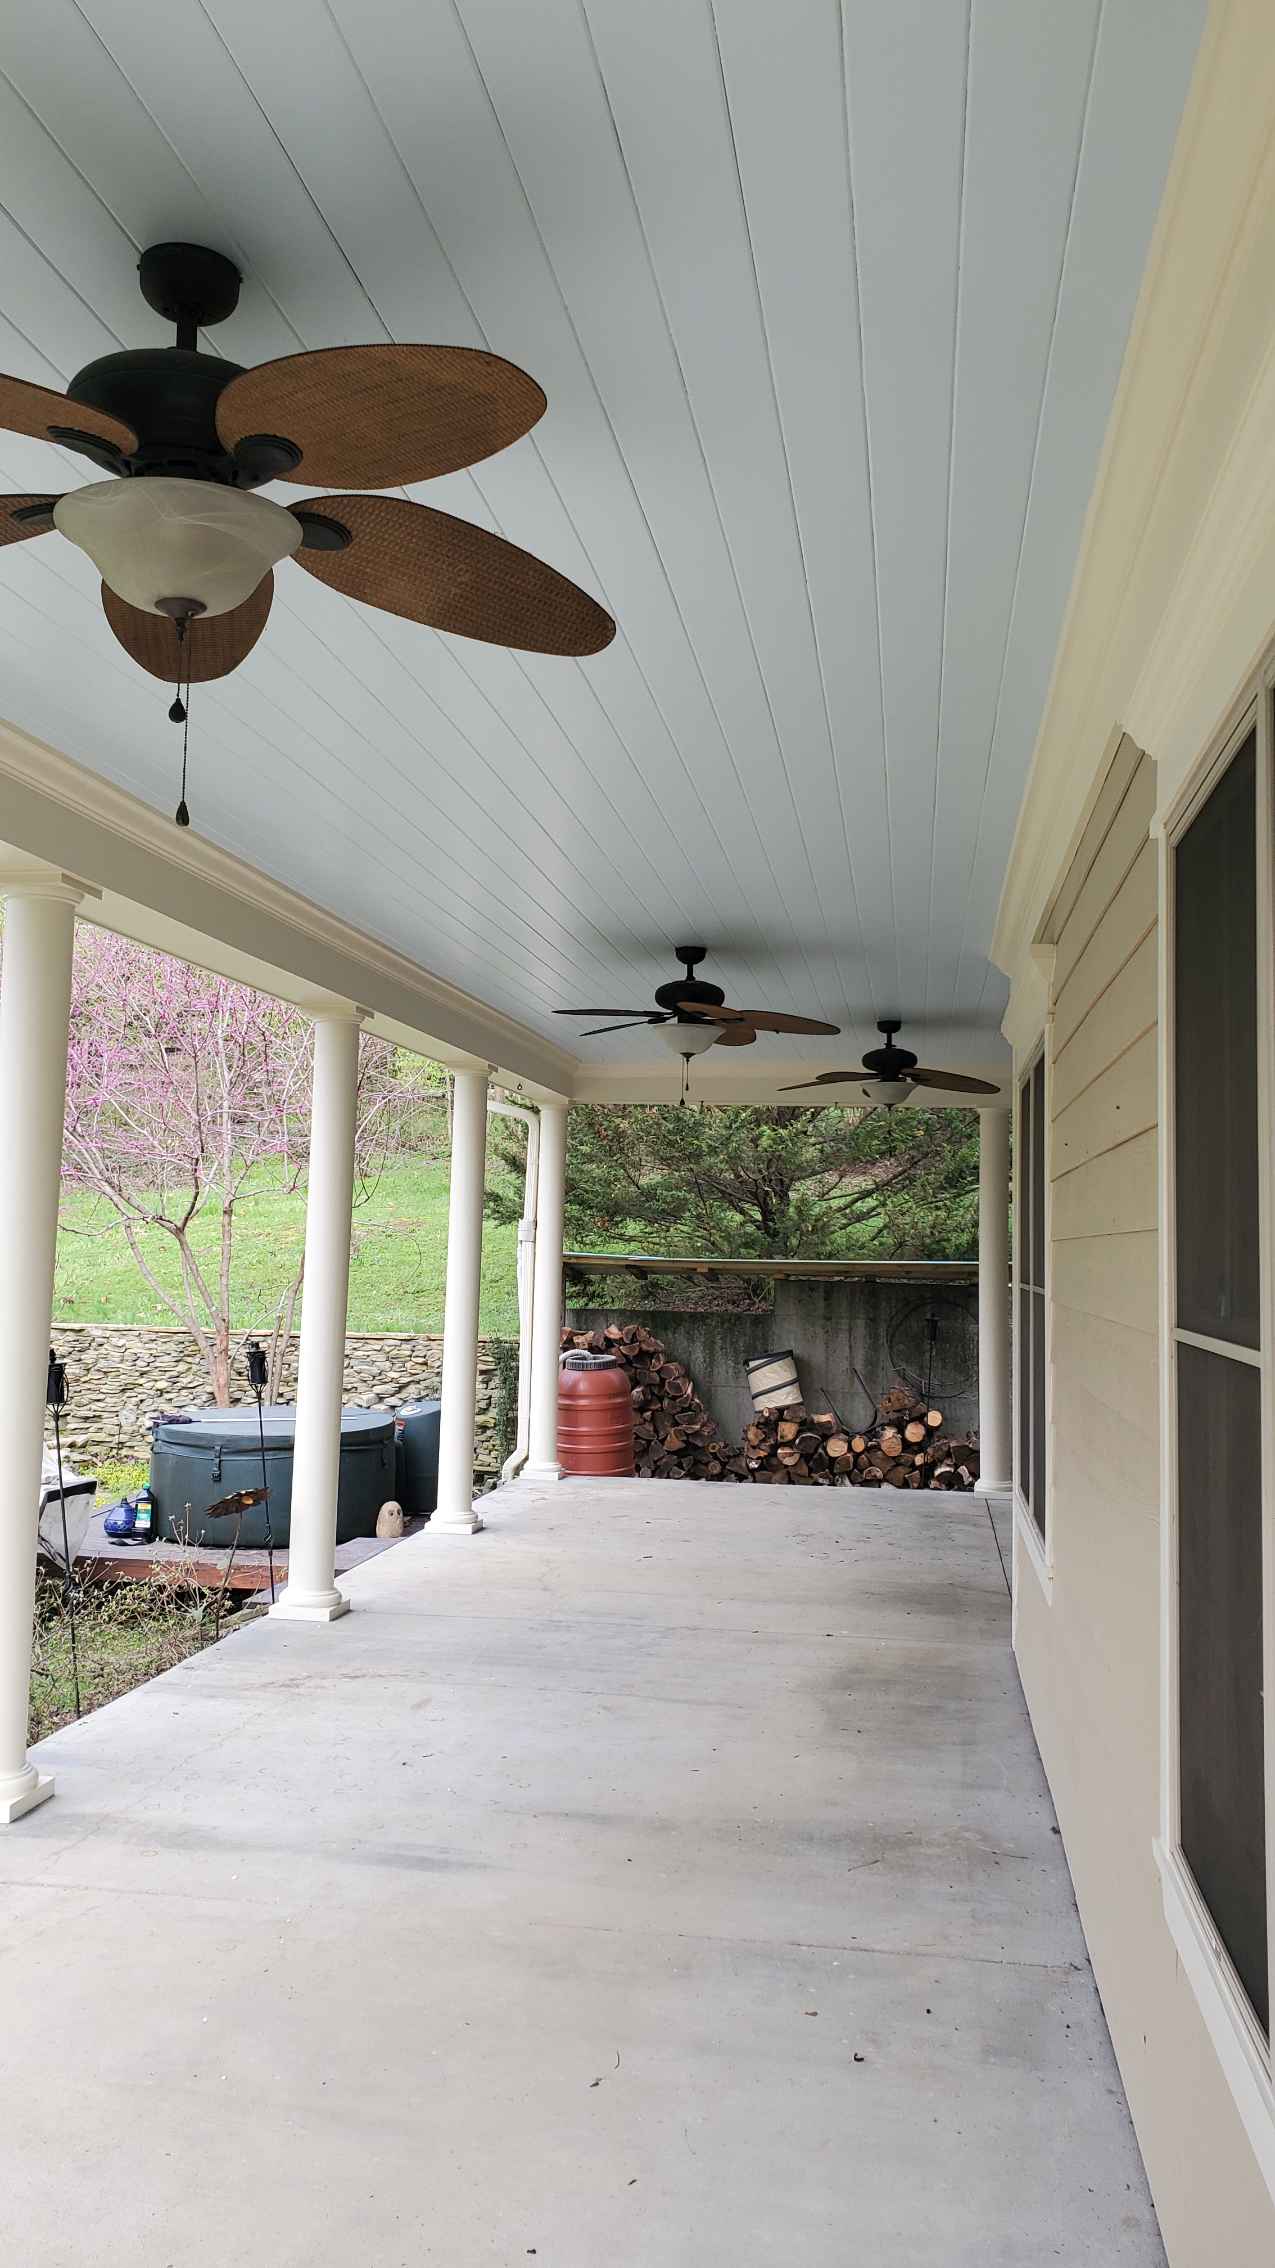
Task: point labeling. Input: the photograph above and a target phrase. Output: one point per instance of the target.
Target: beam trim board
(661, 1083)
(777, 1270)
(191, 898)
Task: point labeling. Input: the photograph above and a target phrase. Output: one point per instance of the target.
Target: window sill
(1032, 1548)
(1237, 2041)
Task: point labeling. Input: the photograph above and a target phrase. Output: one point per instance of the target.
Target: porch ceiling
(829, 306)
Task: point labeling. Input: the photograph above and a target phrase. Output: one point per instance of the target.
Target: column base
(17, 1805)
(310, 1606)
(539, 1472)
(458, 1524)
(992, 1487)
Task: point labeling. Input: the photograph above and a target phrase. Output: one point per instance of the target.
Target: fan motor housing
(889, 1062)
(690, 992)
(169, 396)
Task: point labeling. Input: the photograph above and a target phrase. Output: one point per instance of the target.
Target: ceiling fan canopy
(688, 1006)
(185, 437)
(890, 1074)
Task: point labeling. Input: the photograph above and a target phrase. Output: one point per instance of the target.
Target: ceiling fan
(694, 1014)
(185, 549)
(890, 1074)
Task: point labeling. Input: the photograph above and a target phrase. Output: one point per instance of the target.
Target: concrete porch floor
(545, 1906)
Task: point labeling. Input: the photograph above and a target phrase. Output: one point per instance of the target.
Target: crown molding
(1190, 414)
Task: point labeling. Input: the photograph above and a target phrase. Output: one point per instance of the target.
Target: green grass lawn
(397, 1266)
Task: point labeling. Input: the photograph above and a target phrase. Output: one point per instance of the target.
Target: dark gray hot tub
(217, 1451)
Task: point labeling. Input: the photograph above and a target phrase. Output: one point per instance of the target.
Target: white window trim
(1244, 2056)
(1223, 2003)
(1029, 1544)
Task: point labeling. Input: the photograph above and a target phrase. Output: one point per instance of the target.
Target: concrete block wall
(867, 1328)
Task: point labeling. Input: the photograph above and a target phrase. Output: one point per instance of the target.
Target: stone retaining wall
(120, 1376)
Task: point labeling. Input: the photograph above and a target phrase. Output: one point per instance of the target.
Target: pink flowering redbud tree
(183, 1089)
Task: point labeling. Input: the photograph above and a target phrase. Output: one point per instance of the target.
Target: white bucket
(773, 1381)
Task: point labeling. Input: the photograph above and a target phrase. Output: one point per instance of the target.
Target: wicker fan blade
(431, 568)
(635, 1013)
(24, 516)
(955, 1081)
(55, 417)
(736, 1035)
(827, 1079)
(380, 416)
(630, 1024)
(214, 644)
(762, 1020)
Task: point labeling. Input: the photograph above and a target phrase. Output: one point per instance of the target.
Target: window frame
(1036, 1542)
(1244, 2051)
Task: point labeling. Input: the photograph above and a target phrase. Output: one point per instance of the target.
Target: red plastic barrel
(595, 1416)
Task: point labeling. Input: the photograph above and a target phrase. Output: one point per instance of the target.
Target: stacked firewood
(674, 1436)
(904, 1447)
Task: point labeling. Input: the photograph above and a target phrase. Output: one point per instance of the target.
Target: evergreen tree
(760, 1180)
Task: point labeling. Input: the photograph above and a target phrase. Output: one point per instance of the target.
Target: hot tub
(195, 1462)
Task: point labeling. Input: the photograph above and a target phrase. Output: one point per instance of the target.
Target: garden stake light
(257, 1380)
(56, 1397)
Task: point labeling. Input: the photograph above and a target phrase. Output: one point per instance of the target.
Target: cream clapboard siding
(1088, 1644)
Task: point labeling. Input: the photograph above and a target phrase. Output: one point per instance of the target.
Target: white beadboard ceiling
(829, 303)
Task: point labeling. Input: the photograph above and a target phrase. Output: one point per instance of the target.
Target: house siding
(1088, 1641)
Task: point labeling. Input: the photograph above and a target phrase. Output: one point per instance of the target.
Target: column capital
(46, 882)
(324, 1009)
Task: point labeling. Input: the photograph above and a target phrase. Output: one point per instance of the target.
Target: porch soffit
(207, 906)
(826, 398)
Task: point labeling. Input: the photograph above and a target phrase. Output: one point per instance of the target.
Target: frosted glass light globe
(688, 1039)
(886, 1093)
(160, 539)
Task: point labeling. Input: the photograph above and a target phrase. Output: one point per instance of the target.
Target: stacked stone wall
(120, 1375)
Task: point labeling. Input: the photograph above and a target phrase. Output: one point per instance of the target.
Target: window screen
(1215, 1073)
(1029, 1199)
(1218, 1247)
(1220, 1652)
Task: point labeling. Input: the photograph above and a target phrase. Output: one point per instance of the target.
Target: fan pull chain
(180, 714)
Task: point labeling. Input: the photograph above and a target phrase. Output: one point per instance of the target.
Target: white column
(995, 1399)
(546, 1313)
(311, 1594)
(455, 1509)
(527, 1284)
(35, 1000)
